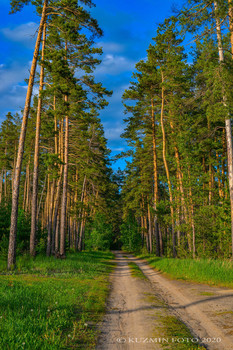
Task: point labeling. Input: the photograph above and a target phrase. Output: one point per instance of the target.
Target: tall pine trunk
(180, 181)
(28, 187)
(191, 209)
(56, 218)
(230, 12)
(50, 219)
(227, 119)
(36, 157)
(167, 170)
(81, 215)
(15, 195)
(65, 185)
(149, 230)
(79, 243)
(155, 171)
(56, 209)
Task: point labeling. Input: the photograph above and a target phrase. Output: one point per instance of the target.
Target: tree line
(55, 174)
(178, 188)
(57, 188)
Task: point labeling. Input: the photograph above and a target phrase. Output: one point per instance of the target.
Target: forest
(58, 190)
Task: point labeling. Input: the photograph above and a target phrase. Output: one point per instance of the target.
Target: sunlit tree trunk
(181, 186)
(28, 187)
(65, 184)
(15, 195)
(167, 170)
(50, 219)
(34, 203)
(82, 216)
(79, 242)
(230, 12)
(149, 231)
(191, 208)
(227, 119)
(14, 165)
(57, 234)
(56, 222)
(155, 171)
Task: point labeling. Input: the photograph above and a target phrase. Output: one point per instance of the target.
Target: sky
(128, 26)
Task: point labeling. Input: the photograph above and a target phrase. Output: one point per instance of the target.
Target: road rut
(134, 310)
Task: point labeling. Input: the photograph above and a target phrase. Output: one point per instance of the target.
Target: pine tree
(16, 5)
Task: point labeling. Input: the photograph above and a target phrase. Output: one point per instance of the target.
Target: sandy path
(207, 311)
(134, 312)
(130, 314)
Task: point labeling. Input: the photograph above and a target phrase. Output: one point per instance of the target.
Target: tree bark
(56, 209)
(79, 240)
(15, 195)
(56, 218)
(167, 170)
(227, 119)
(82, 217)
(36, 156)
(230, 12)
(155, 171)
(57, 234)
(149, 231)
(28, 185)
(14, 165)
(50, 220)
(181, 187)
(65, 184)
(192, 217)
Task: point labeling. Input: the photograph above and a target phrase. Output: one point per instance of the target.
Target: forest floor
(147, 310)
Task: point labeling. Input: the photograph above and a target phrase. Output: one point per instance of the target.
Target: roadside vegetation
(209, 271)
(49, 303)
(181, 335)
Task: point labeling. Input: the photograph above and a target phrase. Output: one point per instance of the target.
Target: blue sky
(128, 26)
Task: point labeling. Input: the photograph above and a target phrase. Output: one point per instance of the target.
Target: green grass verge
(136, 271)
(54, 304)
(213, 272)
(179, 335)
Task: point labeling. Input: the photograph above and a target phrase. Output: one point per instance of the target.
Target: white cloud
(117, 94)
(13, 89)
(13, 75)
(118, 149)
(110, 46)
(25, 33)
(115, 64)
(13, 99)
(113, 133)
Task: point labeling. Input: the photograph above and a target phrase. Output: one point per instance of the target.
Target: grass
(179, 335)
(53, 304)
(136, 271)
(208, 271)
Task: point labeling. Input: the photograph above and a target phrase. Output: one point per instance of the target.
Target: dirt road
(138, 309)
